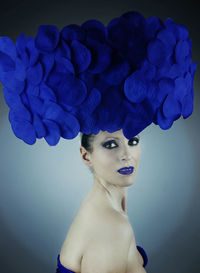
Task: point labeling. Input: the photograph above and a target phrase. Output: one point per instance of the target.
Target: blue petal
(33, 52)
(193, 67)
(179, 30)
(166, 86)
(20, 72)
(103, 115)
(118, 32)
(12, 99)
(135, 123)
(35, 104)
(54, 77)
(182, 32)
(53, 135)
(109, 119)
(47, 61)
(64, 66)
(61, 69)
(115, 94)
(35, 74)
(148, 70)
(71, 91)
(47, 38)
(135, 87)
(186, 64)
(152, 90)
(175, 71)
(32, 90)
(39, 127)
(21, 49)
(73, 32)
(171, 107)
(95, 30)
(182, 50)
(63, 50)
(164, 123)
(187, 105)
(180, 88)
(92, 101)
(116, 72)
(24, 130)
(152, 96)
(132, 127)
(154, 24)
(21, 113)
(24, 99)
(164, 71)
(135, 19)
(135, 54)
(20, 119)
(51, 110)
(80, 56)
(188, 81)
(168, 38)
(87, 123)
(46, 93)
(137, 27)
(21, 44)
(88, 78)
(70, 126)
(7, 46)
(8, 79)
(6, 63)
(101, 57)
(156, 52)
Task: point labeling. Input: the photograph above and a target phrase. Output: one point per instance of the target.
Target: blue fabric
(62, 269)
(144, 255)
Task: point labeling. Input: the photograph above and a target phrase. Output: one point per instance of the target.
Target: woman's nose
(126, 154)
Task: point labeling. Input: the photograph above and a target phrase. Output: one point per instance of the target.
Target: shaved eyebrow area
(119, 138)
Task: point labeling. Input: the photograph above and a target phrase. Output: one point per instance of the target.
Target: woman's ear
(86, 156)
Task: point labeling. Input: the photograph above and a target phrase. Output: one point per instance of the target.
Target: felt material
(92, 77)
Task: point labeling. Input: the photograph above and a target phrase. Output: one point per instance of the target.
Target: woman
(101, 238)
(102, 81)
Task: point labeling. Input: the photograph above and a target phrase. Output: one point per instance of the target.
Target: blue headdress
(88, 78)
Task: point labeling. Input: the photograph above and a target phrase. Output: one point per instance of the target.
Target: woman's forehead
(117, 134)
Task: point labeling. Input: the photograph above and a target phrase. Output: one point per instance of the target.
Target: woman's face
(111, 152)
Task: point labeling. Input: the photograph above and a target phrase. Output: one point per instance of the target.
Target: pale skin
(108, 183)
(90, 245)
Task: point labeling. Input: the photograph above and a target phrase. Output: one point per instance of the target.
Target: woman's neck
(115, 196)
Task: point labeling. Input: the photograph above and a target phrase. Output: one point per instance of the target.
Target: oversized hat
(92, 77)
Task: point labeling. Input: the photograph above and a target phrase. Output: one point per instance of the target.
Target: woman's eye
(109, 144)
(135, 139)
(112, 143)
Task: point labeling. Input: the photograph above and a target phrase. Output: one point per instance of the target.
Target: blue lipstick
(126, 171)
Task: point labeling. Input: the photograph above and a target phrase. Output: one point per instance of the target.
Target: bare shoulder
(76, 240)
(96, 234)
(98, 221)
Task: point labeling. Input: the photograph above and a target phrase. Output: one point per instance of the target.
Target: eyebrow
(119, 138)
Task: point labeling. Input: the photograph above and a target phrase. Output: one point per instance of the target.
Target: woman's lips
(128, 170)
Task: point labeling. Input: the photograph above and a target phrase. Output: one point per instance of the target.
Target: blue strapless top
(62, 269)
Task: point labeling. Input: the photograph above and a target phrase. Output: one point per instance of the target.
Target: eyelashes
(108, 143)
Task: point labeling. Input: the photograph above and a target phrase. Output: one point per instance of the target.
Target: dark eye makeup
(107, 144)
